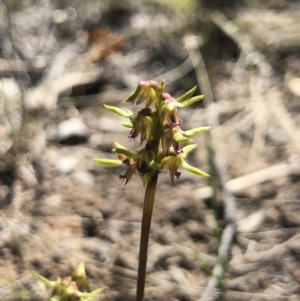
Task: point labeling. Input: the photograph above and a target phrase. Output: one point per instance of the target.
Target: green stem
(145, 231)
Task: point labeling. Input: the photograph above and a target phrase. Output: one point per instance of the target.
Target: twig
(274, 252)
(283, 117)
(259, 116)
(254, 178)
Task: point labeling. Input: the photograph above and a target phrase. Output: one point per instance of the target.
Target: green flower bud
(172, 161)
(80, 278)
(142, 123)
(147, 91)
(168, 110)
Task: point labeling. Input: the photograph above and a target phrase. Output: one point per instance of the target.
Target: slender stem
(145, 231)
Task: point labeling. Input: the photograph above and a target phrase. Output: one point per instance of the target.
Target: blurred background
(235, 236)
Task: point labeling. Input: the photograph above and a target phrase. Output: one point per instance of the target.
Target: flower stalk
(144, 239)
(158, 126)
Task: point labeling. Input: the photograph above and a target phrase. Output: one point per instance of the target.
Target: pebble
(72, 131)
(66, 164)
(82, 178)
(54, 200)
(9, 91)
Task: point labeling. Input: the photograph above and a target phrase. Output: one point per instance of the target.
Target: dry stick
(254, 178)
(283, 117)
(259, 116)
(274, 252)
(218, 144)
(146, 223)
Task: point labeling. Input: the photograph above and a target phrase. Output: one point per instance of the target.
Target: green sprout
(158, 126)
(73, 288)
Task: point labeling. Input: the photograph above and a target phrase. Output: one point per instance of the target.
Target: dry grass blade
(259, 114)
(283, 117)
(254, 178)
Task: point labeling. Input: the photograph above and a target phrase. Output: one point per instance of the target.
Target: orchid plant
(73, 288)
(158, 126)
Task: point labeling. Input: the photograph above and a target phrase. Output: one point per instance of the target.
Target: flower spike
(160, 130)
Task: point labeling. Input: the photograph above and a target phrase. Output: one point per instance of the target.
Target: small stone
(294, 86)
(72, 131)
(66, 164)
(82, 178)
(252, 222)
(9, 91)
(54, 200)
(103, 250)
